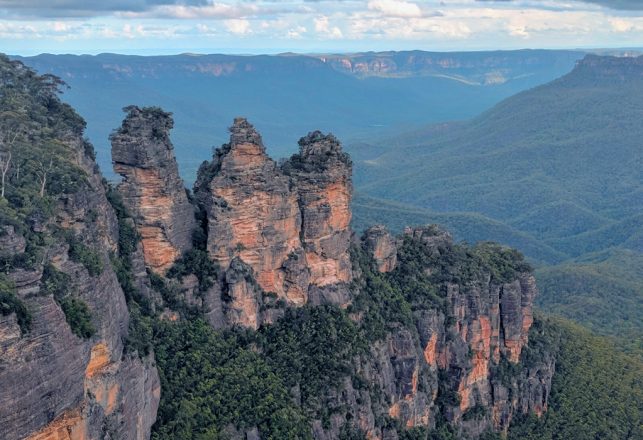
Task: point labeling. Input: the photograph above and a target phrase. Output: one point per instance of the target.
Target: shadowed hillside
(558, 169)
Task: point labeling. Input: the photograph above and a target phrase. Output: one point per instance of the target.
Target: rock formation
(280, 236)
(321, 173)
(54, 384)
(450, 363)
(382, 247)
(152, 190)
(253, 213)
(289, 225)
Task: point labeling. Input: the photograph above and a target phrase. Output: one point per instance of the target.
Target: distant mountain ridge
(479, 68)
(287, 94)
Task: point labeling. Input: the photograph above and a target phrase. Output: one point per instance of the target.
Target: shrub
(77, 314)
(78, 317)
(80, 253)
(10, 303)
(197, 262)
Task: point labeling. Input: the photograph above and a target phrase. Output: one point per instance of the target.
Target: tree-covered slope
(597, 391)
(467, 226)
(600, 291)
(555, 161)
(556, 168)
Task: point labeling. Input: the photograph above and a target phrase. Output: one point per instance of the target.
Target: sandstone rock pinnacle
(152, 190)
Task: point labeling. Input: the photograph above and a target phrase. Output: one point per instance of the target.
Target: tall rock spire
(253, 216)
(321, 173)
(152, 190)
(289, 225)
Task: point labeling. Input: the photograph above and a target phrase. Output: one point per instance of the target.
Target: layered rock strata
(152, 190)
(321, 174)
(463, 352)
(289, 225)
(253, 214)
(54, 384)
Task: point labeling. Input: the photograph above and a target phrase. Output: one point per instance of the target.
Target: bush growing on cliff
(197, 262)
(10, 303)
(140, 330)
(380, 303)
(82, 254)
(504, 263)
(54, 282)
(78, 317)
(77, 313)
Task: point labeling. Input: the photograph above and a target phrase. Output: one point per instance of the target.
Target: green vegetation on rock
(10, 303)
(77, 314)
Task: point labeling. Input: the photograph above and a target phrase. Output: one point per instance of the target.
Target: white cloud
(324, 28)
(395, 8)
(339, 25)
(184, 12)
(238, 26)
(626, 25)
(296, 32)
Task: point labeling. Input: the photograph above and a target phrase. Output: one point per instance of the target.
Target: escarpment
(65, 372)
(152, 190)
(457, 355)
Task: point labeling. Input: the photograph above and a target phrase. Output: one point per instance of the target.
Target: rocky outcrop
(152, 190)
(460, 362)
(11, 243)
(381, 245)
(55, 384)
(484, 327)
(321, 173)
(289, 225)
(253, 214)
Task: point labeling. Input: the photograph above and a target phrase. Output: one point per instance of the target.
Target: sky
(30, 27)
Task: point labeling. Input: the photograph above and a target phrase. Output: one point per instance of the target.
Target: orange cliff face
(254, 214)
(485, 322)
(321, 173)
(152, 189)
(287, 226)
